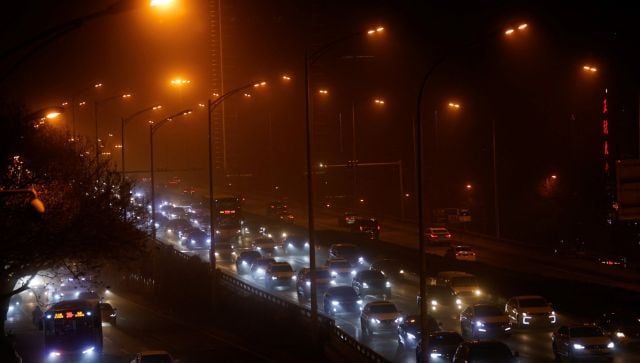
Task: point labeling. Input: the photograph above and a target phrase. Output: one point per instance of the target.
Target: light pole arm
(213, 104)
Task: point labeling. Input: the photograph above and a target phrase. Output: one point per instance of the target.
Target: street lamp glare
(509, 31)
(53, 114)
(286, 77)
(156, 107)
(97, 85)
(379, 29)
(126, 95)
(379, 101)
(160, 3)
(554, 176)
(523, 26)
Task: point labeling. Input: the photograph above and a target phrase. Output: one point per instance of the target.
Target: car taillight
(361, 229)
(378, 228)
(448, 236)
(433, 235)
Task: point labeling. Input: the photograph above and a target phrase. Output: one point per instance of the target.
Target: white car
(581, 342)
(278, 274)
(530, 310)
(380, 317)
(340, 269)
(461, 253)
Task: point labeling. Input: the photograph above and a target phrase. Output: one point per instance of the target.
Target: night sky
(532, 85)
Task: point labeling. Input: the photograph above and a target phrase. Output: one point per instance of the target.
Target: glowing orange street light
(554, 176)
(375, 30)
(520, 27)
(179, 82)
(161, 3)
(378, 101)
(260, 84)
(589, 68)
(323, 92)
(248, 95)
(286, 77)
(52, 115)
(454, 105)
(468, 187)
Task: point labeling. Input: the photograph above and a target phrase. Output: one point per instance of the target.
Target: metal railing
(334, 331)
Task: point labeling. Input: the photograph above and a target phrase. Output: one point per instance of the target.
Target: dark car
(409, 330)
(245, 260)
(390, 268)
(486, 351)
(295, 244)
(341, 299)
(368, 227)
(303, 282)
(278, 274)
(484, 320)
(259, 267)
(286, 216)
(109, 313)
(576, 342)
(371, 282)
(276, 206)
(442, 346)
(441, 299)
(195, 239)
(176, 227)
(347, 251)
(623, 326)
(347, 219)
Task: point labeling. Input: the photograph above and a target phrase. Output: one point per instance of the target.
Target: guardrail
(333, 331)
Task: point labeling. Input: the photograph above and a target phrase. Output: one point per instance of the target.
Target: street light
(589, 68)
(309, 59)
(96, 105)
(74, 103)
(153, 127)
(124, 121)
(43, 114)
(211, 106)
(419, 174)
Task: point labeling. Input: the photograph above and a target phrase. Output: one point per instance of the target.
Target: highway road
(532, 345)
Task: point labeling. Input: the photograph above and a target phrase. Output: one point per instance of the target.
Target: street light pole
(496, 208)
(353, 153)
(96, 105)
(123, 122)
(211, 106)
(153, 127)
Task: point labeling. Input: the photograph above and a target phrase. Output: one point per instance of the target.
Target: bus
(452, 215)
(227, 207)
(73, 328)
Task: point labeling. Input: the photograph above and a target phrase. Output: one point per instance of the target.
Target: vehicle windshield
(322, 274)
(487, 310)
(493, 353)
(347, 250)
(281, 268)
(340, 264)
(464, 281)
(250, 255)
(229, 223)
(371, 275)
(224, 246)
(440, 291)
(345, 292)
(439, 339)
(264, 262)
(383, 308)
(464, 249)
(586, 331)
(367, 223)
(264, 241)
(531, 303)
(439, 230)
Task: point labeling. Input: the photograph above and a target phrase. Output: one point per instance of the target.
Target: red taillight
(448, 236)
(433, 236)
(378, 228)
(361, 229)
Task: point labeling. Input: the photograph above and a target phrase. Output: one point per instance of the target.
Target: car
(341, 300)
(368, 227)
(259, 267)
(530, 310)
(577, 342)
(438, 236)
(195, 238)
(153, 356)
(347, 251)
(228, 228)
(303, 282)
(295, 244)
(409, 330)
(108, 313)
(278, 274)
(464, 284)
(245, 259)
(461, 253)
(176, 227)
(340, 269)
(347, 218)
(224, 250)
(442, 346)
(380, 317)
(389, 267)
(622, 326)
(276, 206)
(252, 229)
(286, 216)
(441, 299)
(266, 245)
(570, 246)
(484, 351)
(484, 320)
(371, 282)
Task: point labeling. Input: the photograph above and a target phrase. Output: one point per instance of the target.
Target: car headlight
(365, 285)
(217, 232)
(359, 302)
(258, 248)
(388, 284)
(193, 241)
(434, 302)
(333, 282)
(399, 319)
(479, 324)
(244, 263)
(411, 336)
(611, 345)
(620, 334)
(524, 314)
(113, 315)
(578, 346)
(333, 273)
(353, 272)
(360, 259)
(274, 278)
(458, 302)
(435, 355)
(290, 245)
(308, 283)
(478, 292)
(260, 270)
(335, 303)
(284, 235)
(217, 254)
(375, 321)
(294, 277)
(306, 244)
